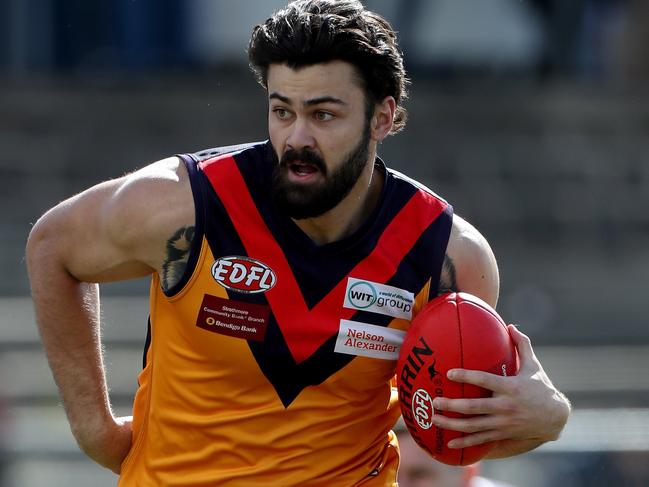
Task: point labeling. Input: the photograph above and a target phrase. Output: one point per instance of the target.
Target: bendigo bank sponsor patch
(355, 338)
(233, 318)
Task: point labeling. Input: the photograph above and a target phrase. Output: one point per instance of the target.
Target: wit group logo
(379, 298)
(361, 294)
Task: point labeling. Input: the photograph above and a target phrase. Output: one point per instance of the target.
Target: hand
(108, 445)
(524, 411)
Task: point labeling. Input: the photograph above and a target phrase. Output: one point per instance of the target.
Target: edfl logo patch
(243, 274)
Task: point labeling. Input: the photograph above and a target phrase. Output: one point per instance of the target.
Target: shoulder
(470, 265)
(405, 181)
(153, 201)
(158, 184)
(151, 210)
(466, 239)
(215, 152)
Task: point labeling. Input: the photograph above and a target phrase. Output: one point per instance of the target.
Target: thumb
(523, 346)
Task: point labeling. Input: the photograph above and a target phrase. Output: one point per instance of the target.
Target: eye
(321, 116)
(281, 113)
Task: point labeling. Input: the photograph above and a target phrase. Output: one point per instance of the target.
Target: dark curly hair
(308, 32)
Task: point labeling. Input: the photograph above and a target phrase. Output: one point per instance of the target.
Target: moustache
(304, 156)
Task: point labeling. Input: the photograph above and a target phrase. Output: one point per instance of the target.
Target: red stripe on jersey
(306, 330)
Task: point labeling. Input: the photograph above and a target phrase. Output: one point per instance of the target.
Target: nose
(300, 136)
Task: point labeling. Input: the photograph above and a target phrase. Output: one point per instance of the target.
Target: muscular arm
(525, 411)
(469, 264)
(116, 230)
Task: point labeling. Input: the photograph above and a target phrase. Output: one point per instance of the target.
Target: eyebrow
(311, 102)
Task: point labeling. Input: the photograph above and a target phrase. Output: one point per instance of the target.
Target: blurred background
(530, 116)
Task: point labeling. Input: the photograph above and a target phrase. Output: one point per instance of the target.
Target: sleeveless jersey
(270, 362)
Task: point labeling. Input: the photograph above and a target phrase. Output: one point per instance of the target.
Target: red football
(455, 330)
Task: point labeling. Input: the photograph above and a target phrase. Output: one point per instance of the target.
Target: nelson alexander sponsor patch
(355, 338)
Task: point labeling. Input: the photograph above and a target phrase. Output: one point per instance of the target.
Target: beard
(310, 200)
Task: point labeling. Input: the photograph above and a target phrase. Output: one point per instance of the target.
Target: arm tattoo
(447, 279)
(178, 247)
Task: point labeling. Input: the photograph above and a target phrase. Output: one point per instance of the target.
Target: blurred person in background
(249, 377)
(418, 469)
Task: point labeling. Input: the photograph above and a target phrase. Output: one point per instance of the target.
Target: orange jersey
(271, 361)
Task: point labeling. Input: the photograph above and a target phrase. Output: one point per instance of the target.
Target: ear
(381, 123)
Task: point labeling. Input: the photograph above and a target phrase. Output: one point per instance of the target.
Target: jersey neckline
(294, 235)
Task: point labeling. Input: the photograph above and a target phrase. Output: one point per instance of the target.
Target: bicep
(82, 236)
(119, 229)
(470, 265)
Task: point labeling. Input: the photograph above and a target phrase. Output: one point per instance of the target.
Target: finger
(493, 382)
(465, 406)
(465, 425)
(475, 439)
(523, 347)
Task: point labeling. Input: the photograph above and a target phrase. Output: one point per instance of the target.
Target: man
(417, 470)
(272, 343)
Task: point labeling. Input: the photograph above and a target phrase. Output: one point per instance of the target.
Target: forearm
(510, 448)
(557, 421)
(67, 314)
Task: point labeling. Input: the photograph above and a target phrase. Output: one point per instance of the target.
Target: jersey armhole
(445, 224)
(199, 225)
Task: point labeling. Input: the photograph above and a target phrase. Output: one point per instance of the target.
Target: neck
(348, 215)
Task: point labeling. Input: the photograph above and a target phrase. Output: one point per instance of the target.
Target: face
(320, 135)
(417, 469)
